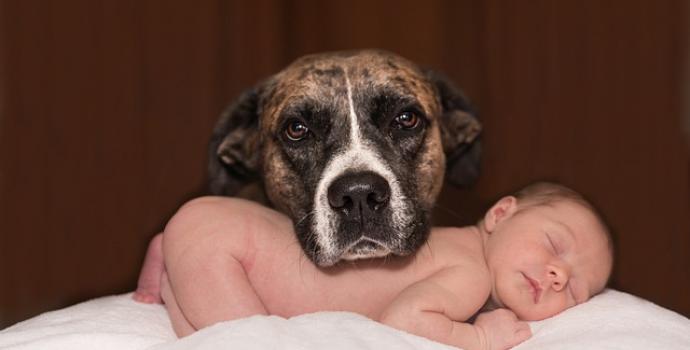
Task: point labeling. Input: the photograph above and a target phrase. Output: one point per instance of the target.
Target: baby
(532, 256)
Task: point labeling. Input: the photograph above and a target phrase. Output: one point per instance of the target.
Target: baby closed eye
(553, 245)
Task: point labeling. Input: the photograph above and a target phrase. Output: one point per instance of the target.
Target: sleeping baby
(533, 255)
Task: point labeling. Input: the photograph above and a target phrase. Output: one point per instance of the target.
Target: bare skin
(228, 258)
(149, 283)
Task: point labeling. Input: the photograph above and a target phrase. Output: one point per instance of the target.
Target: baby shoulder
(457, 246)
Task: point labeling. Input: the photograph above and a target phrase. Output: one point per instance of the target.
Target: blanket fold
(611, 320)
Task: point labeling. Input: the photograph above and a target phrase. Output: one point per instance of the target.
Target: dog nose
(366, 193)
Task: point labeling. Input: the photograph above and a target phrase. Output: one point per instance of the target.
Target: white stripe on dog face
(359, 156)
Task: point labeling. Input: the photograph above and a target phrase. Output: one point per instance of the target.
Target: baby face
(545, 259)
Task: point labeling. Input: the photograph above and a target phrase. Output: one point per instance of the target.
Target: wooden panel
(103, 102)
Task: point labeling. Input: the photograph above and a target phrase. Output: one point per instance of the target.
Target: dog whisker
(428, 246)
(305, 217)
(385, 259)
(447, 210)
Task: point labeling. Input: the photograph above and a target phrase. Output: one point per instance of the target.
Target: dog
(352, 146)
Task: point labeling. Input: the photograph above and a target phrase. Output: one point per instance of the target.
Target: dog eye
(407, 120)
(296, 130)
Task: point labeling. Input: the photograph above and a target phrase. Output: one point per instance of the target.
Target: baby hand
(502, 329)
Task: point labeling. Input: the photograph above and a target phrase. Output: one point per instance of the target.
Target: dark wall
(106, 108)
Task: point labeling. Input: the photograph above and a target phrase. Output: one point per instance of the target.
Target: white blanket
(612, 320)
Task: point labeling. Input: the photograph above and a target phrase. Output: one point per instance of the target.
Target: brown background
(106, 108)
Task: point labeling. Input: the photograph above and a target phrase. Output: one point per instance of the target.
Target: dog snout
(365, 194)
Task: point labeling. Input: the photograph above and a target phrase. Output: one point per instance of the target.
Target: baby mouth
(535, 286)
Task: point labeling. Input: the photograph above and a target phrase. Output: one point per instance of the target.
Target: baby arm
(437, 307)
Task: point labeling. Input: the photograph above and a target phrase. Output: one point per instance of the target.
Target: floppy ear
(460, 131)
(233, 154)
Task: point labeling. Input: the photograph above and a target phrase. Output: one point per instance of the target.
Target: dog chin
(385, 242)
(365, 248)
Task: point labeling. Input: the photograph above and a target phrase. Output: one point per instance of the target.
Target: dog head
(353, 146)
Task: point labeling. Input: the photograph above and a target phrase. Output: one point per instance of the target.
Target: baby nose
(558, 277)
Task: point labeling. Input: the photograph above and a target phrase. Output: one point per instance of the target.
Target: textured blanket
(612, 320)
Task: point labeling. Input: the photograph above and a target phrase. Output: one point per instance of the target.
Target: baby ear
(233, 156)
(503, 209)
(460, 131)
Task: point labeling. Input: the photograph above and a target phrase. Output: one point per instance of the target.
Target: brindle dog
(352, 146)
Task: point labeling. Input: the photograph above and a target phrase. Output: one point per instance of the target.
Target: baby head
(547, 250)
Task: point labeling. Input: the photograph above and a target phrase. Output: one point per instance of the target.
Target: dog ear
(233, 156)
(460, 131)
